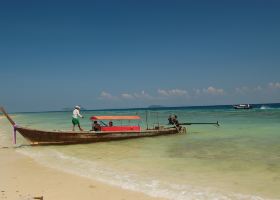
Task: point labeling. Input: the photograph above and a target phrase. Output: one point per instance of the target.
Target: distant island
(155, 106)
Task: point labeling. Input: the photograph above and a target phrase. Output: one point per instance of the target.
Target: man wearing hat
(75, 119)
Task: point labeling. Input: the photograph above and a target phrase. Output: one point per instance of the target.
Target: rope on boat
(15, 133)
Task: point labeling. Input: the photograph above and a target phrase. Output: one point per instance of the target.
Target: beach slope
(23, 178)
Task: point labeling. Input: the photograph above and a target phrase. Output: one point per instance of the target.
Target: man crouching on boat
(75, 119)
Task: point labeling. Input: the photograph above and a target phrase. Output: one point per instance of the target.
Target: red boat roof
(114, 117)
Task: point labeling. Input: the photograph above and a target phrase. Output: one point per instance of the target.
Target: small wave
(265, 107)
(152, 187)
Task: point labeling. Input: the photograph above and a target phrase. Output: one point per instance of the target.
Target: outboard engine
(172, 120)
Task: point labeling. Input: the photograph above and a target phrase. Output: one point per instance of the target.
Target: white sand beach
(23, 179)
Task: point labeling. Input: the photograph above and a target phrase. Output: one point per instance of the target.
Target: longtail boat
(107, 133)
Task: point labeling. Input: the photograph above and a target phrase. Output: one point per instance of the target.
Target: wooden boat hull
(40, 137)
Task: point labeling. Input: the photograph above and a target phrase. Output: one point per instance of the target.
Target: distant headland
(156, 106)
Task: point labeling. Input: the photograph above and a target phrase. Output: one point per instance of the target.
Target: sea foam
(148, 185)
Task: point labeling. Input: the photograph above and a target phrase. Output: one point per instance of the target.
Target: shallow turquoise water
(238, 160)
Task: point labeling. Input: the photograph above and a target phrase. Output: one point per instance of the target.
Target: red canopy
(114, 117)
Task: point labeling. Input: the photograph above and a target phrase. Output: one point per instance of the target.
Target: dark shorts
(75, 121)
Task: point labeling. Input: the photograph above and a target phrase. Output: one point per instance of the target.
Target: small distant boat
(243, 106)
(106, 133)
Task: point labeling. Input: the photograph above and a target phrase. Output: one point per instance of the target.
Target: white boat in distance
(243, 106)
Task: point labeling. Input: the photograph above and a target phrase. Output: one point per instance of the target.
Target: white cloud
(213, 91)
(106, 95)
(275, 85)
(242, 90)
(163, 92)
(258, 88)
(143, 95)
(173, 92)
(197, 91)
(245, 90)
(127, 96)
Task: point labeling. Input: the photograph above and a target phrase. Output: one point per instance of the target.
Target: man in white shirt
(75, 118)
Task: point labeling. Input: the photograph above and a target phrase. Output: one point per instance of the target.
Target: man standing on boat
(75, 118)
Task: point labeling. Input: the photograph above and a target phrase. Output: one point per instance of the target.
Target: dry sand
(22, 178)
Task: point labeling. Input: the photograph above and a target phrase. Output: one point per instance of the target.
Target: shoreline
(24, 178)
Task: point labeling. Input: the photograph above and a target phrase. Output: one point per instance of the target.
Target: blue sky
(125, 54)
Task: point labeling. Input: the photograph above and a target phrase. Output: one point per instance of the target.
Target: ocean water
(238, 160)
